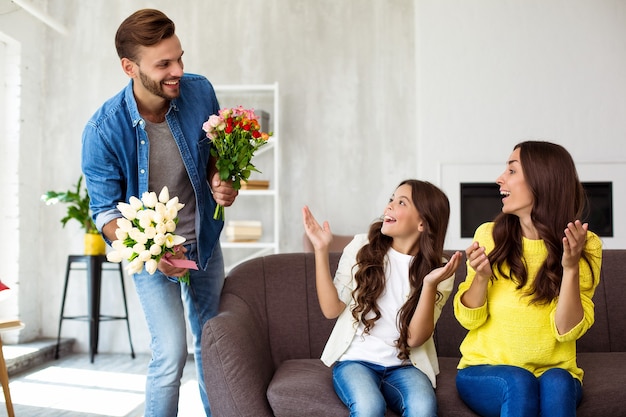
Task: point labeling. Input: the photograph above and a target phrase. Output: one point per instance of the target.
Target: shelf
(249, 245)
(256, 204)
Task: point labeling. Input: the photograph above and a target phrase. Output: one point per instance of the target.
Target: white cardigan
(423, 357)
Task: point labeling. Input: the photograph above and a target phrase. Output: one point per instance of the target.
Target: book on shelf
(10, 323)
(255, 185)
(244, 230)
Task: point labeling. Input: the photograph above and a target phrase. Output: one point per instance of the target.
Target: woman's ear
(129, 67)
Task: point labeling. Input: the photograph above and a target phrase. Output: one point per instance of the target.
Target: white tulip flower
(150, 232)
(137, 235)
(151, 266)
(145, 255)
(114, 256)
(120, 234)
(135, 203)
(139, 247)
(145, 218)
(170, 226)
(127, 253)
(159, 239)
(149, 199)
(135, 266)
(155, 250)
(124, 224)
(172, 213)
(160, 213)
(160, 228)
(118, 245)
(173, 240)
(164, 196)
(127, 211)
(174, 206)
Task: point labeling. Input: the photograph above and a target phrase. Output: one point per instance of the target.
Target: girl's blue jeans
(511, 391)
(368, 389)
(164, 302)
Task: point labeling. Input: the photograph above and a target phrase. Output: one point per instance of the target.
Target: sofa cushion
(600, 390)
(448, 401)
(603, 388)
(299, 387)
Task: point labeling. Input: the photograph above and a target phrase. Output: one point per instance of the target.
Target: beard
(155, 87)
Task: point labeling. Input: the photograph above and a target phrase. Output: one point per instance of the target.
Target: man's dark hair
(145, 27)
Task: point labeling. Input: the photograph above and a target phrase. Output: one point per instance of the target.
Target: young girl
(388, 293)
(527, 296)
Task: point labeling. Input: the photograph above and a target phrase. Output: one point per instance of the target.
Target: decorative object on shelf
(145, 234)
(78, 209)
(255, 185)
(244, 230)
(236, 135)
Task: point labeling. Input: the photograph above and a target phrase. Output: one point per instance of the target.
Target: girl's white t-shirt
(379, 345)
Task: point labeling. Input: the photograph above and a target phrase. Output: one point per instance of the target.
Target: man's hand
(223, 191)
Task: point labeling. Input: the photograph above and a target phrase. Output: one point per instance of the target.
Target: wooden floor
(113, 386)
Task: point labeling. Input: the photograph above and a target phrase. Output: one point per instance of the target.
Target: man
(148, 136)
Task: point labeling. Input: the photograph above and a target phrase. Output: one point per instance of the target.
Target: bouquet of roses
(236, 135)
(146, 233)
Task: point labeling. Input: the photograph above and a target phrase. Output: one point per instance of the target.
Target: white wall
(494, 73)
(372, 92)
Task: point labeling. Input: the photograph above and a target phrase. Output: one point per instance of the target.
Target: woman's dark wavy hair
(559, 198)
(434, 208)
(145, 27)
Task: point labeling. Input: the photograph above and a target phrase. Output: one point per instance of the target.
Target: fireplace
(481, 202)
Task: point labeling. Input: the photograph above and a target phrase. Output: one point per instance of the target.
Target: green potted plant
(78, 209)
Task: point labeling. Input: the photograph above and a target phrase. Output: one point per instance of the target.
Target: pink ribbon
(179, 263)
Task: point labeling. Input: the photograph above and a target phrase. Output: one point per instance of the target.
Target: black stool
(93, 265)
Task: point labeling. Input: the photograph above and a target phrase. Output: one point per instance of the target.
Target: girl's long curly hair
(559, 198)
(434, 209)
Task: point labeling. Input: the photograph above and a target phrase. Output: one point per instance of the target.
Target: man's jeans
(511, 391)
(367, 389)
(162, 304)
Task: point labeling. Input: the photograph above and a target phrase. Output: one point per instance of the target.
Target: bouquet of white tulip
(146, 233)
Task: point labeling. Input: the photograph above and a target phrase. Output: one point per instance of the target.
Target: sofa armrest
(237, 361)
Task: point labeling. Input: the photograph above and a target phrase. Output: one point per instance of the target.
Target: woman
(527, 296)
(388, 292)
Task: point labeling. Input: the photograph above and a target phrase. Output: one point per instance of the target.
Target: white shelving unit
(261, 205)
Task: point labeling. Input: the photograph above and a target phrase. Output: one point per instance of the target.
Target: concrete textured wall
(372, 92)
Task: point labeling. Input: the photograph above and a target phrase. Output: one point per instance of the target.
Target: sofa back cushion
(449, 333)
(280, 289)
(608, 333)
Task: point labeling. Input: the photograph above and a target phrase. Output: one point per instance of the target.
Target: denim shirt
(115, 149)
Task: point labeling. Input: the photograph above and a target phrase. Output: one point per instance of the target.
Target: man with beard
(148, 136)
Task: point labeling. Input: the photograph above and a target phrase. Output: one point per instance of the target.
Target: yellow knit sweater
(507, 330)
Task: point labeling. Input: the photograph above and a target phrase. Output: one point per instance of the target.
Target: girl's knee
(368, 407)
(422, 407)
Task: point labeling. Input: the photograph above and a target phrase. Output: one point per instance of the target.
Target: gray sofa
(260, 353)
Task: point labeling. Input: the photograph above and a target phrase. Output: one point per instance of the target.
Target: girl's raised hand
(442, 273)
(320, 236)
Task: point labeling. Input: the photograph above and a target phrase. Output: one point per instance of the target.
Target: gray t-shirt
(166, 168)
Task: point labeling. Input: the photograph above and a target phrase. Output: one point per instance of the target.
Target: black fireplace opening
(481, 202)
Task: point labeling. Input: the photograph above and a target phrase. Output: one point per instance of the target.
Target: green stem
(218, 214)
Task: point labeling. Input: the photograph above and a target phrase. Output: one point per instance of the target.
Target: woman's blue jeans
(511, 391)
(162, 302)
(368, 389)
